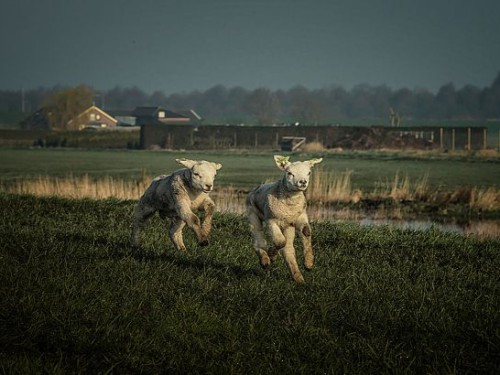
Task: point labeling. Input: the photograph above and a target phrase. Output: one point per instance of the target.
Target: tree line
(299, 104)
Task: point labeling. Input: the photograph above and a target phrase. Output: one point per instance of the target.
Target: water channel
(479, 228)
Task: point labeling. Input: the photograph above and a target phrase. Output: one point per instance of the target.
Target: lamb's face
(202, 173)
(297, 174)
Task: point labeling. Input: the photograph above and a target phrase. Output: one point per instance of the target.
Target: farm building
(154, 116)
(158, 116)
(173, 136)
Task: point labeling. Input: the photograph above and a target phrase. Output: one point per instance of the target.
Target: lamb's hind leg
(278, 238)
(141, 215)
(259, 239)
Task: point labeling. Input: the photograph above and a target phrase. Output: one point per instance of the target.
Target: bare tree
(65, 105)
(264, 105)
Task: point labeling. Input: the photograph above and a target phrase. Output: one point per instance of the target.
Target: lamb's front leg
(209, 208)
(175, 233)
(193, 222)
(305, 234)
(289, 255)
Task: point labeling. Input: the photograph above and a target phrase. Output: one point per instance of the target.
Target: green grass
(76, 298)
(247, 169)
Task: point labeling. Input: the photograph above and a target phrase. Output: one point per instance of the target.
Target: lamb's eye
(289, 174)
(197, 174)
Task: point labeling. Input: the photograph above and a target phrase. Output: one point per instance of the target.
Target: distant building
(93, 118)
(38, 120)
(158, 115)
(123, 116)
(194, 117)
(96, 118)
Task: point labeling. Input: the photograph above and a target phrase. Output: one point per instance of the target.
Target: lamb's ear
(186, 162)
(217, 166)
(282, 161)
(313, 162)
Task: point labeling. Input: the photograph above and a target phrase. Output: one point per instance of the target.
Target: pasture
(77, 299)
(244, 169)
(347, 185)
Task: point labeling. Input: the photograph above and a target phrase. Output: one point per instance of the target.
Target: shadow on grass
(119, 248)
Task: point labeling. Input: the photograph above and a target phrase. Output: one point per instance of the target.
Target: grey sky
(183, 45)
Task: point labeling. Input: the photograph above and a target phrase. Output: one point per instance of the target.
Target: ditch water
(394, 217)
(478, 228)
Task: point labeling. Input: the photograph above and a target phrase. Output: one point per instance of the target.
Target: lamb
(281, 208)
(177, 196)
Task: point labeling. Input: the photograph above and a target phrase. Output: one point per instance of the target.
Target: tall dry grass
(79, 187)
(331, 186)
(326, 187)
(402, 189)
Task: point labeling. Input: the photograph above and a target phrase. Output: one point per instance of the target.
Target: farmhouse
(92, 117)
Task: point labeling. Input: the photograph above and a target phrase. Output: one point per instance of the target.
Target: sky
(178, 46)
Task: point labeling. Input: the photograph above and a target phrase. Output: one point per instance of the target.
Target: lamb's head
(202, 173)
(296, 174)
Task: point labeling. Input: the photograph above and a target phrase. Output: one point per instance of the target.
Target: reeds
(326, 188)
(78, 187)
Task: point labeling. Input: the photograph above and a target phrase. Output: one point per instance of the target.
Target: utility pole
(23, 107)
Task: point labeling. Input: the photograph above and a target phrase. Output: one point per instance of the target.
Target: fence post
(485, 139)
(441, 143)
(468, 139)
(256, 139)
(453, 139)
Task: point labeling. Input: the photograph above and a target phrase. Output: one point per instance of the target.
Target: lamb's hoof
(203, 243)
(309, 265)
(299, 279)
(265, 262)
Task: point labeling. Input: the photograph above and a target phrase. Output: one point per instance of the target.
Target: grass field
(77, 299)
(246, 170)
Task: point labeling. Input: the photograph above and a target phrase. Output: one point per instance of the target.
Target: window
(161, 114)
